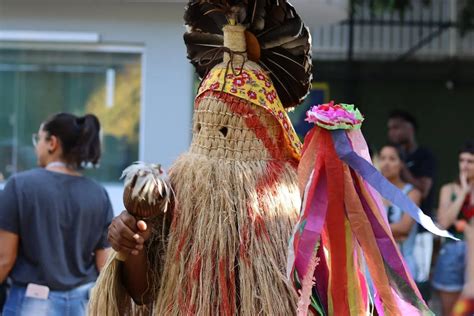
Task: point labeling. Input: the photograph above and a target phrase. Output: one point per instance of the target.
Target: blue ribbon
(386, 189)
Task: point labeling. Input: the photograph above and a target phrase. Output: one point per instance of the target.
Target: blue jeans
(59, 303)
(450, 268)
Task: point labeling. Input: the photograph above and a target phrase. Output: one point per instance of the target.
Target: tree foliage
(120, 120)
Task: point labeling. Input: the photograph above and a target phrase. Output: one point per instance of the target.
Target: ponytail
(79, 137)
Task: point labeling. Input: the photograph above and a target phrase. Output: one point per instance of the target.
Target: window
(37, 82)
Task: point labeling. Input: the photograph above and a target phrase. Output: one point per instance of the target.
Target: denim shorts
(449, 271)
(59, 303)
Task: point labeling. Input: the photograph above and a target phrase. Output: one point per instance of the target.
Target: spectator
(402, 225)
(456, 207)
(53, 222)
(419, 170)
(465, 304)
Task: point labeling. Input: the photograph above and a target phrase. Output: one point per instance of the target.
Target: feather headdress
(277, 40)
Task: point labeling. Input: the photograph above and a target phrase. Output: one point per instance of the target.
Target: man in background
(419, 170)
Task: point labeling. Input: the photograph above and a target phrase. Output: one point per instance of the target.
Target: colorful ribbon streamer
(381, 184)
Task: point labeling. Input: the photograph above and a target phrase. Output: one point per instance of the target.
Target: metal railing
(423, 32)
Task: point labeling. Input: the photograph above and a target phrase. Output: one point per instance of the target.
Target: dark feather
(294, 72)
(301, 41)
(289, 81)
(257, 15)
(202, 49)
(282, 91)
(278, 13)
(288, 31)
(203, 39)
(298, 50)
(295, 64)
(205, 17)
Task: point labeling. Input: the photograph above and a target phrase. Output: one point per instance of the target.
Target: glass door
(36, 83)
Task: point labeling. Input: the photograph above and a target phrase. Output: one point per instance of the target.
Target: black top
(61, 220)
(422, 163)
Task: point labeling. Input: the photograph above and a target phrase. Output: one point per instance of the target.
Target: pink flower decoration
(334, 116)
(268, 84)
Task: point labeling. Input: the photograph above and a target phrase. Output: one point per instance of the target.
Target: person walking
(53, 222)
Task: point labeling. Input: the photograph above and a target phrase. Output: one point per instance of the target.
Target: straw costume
(223, 250)
(342, 254)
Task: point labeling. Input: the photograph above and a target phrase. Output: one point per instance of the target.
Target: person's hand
(460, 225)
(127, 235)
(465, 188)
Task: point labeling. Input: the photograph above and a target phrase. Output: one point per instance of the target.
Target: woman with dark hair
(456, 208)
(53, 222)
(401, 224)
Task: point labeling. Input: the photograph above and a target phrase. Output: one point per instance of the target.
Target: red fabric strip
(335, 227)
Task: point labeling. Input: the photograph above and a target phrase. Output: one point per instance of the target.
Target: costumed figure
(236, 197)
(343, 259)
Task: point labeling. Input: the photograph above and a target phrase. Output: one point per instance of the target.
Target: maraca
(147, 192)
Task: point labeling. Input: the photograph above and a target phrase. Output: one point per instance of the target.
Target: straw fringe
(109, 297)
(228, 253)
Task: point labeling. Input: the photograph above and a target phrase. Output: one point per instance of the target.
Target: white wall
(167, 99)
